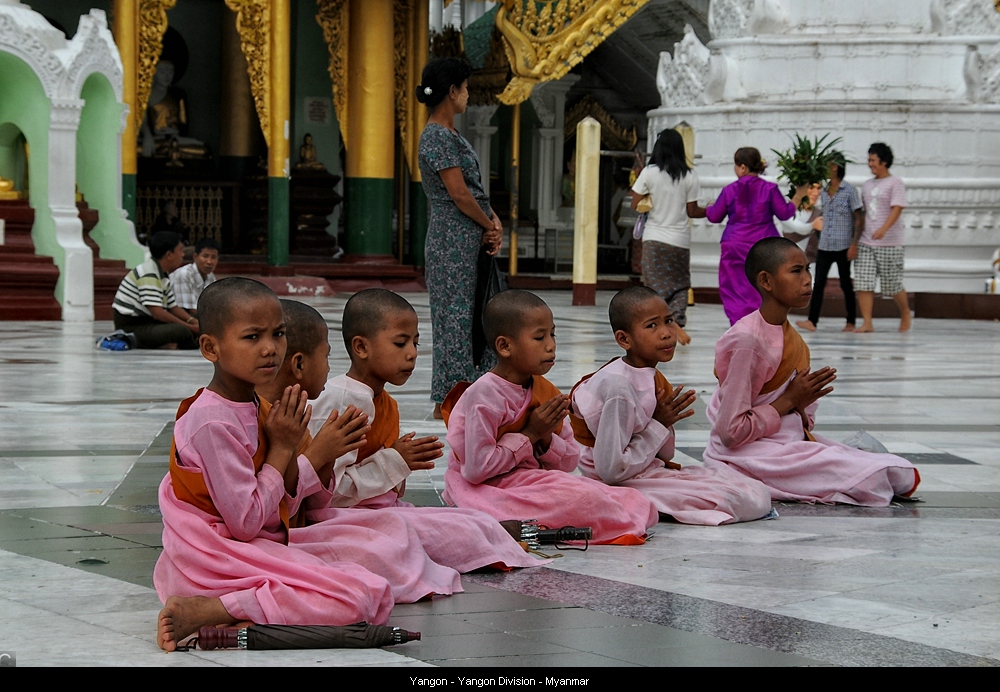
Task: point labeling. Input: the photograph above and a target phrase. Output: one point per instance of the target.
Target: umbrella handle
(210, 638)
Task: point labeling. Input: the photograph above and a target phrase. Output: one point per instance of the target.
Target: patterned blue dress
(451, 251)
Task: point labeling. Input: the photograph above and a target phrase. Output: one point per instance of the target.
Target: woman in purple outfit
(751, 205)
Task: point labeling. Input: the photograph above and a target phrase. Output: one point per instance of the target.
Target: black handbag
(489, 281)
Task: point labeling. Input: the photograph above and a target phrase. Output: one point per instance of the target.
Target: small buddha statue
(166, 119)
(7, 190)
(307, 156)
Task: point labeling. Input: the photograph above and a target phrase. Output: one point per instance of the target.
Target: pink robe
(749, 435)
(504, 478)
(630, 448)
(240, 556)
(459, 539)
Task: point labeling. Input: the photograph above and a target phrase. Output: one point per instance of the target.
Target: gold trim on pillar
(544, 39)
(152, 22)
(333, 16)
(371, 151)
(253, 22)
(402, 12)
(418, 38)
(125, 25)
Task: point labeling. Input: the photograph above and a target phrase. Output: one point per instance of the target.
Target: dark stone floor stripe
(837, 645)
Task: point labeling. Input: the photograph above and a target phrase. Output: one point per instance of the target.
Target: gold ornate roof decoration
(333, 16)
(253, 22)
(613, 135)
(544, 39)
(152, 20)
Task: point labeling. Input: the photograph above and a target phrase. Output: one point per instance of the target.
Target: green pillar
(128, 194)
(418, 223)
(278, 218)
(369, 216)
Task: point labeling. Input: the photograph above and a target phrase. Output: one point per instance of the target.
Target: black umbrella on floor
(260, 637)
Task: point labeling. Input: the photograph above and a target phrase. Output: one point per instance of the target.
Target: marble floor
(84, 437)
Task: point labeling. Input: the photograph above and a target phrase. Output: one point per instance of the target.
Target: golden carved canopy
(334, 18)
(152, 22)
(253, 22)
(544, 39)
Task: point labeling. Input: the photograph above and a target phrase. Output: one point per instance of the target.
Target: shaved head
(504, 314)
(767, 255)
(624, 308)
(216, 302)
(365, 313)
(305, 328)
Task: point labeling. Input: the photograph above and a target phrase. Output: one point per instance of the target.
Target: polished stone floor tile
(83, 449)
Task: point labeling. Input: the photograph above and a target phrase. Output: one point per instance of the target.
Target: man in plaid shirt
(843, 221)
(191, 279)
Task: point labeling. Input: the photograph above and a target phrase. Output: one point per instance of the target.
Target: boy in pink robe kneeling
(511, 452)
(763, 412)
(623, 415)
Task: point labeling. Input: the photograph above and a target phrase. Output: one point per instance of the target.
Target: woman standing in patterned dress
(461, 222)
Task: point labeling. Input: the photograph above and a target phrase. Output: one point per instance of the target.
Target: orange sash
(384, 429)
(189, 484)
(580, 430)
(794, 357)
(541, 391)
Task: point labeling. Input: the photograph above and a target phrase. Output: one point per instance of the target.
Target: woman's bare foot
(905, 323)
(806, 324)
(682, 336)
(848, 328)
(865, 328)
(437, 412)
(184, 616)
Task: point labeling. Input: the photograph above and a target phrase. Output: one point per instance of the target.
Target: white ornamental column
(479, 131)
(77, 274)
(549, 101)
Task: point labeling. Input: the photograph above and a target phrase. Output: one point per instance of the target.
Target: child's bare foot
(848, 328)
(437, 412)
(184, 616)
(905, 323)
(806, 324)
(865, 328)
(683, 338)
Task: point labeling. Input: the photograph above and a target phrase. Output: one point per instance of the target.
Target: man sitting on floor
(145, 305)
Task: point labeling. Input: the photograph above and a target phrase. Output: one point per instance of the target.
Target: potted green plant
(808, 161)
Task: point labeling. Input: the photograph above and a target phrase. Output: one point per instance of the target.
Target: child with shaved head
(762, 414)
(623, 415)
(237, 476)
(511, 451)
(380, 333)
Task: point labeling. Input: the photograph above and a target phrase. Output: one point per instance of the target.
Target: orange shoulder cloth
(794, 358)
(541, 391)
(581, 432)
(384, 429)
(189, 484)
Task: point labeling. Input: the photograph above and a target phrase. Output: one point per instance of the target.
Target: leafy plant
(808, 161)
